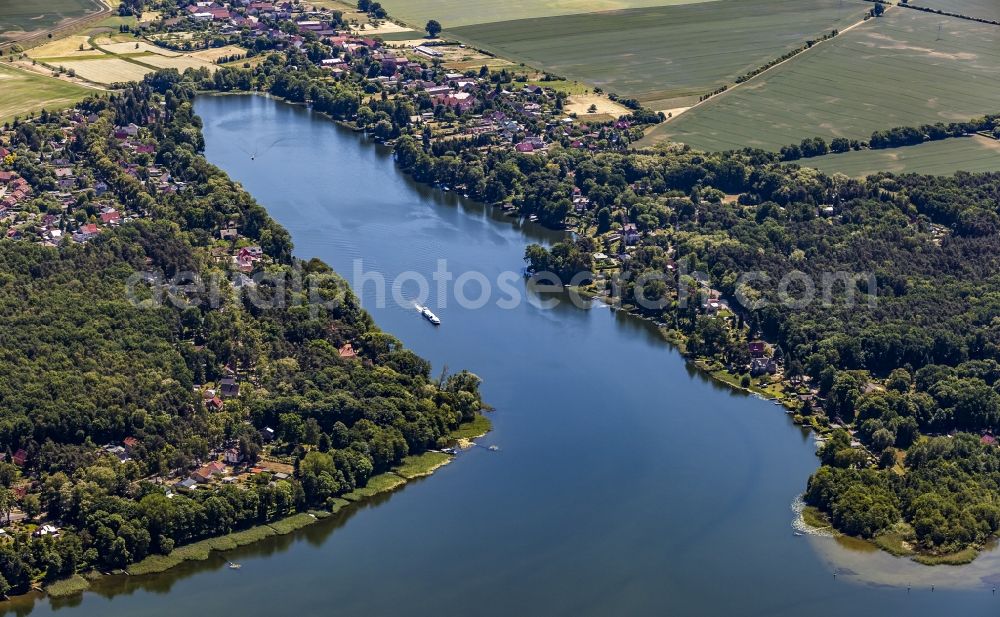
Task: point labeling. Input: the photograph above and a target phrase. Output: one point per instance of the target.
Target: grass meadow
(892, 71)
(25, 92)
(665, 55)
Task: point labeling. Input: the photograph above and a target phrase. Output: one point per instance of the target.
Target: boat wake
(427, 314)
(799, 525)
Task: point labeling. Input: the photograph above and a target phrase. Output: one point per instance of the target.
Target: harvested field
(178, 62)
(584, 105)
(67, 47)
(386, 27)
(214, 53)
(135, 47)
(107, 70)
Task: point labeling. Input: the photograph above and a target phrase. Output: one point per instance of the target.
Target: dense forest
(86, 365)
(920, 360)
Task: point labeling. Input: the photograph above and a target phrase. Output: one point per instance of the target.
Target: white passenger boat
(428, 315)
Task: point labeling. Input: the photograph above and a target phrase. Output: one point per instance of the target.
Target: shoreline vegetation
(411, 468)
(895, 399)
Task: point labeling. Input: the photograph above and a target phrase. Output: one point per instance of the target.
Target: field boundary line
(64, 30)
(770, 68)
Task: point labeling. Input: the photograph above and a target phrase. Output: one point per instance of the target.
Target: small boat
(533, 218)
(493, 448)
(798, 533)
(428, 315)
(234, 566)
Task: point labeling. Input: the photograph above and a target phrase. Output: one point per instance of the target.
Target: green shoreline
(677, 340)
(892, 543)
(413, 467)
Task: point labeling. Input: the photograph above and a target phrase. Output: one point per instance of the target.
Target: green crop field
(660, 55)
(20, 16)
(454, 13)
(944, 157)
(25, 92)
(982, 9)
(892, 71)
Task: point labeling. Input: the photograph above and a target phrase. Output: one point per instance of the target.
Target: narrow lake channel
(623, 483)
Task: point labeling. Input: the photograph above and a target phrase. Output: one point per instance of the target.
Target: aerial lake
(623, 482)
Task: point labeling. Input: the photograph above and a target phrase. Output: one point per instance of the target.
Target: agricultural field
(664, 56)
(945, 157)
(69, 47)
(892, 71)
(584, 105)
(456, 57)
(176, 62)
(981, 9)
(453, 13)
(134, 47)
(214, 53)
(111, 58)
(25, 92)
(107, 70)
(384, 28)
(21, 17)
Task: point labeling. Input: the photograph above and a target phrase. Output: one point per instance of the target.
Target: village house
(117, 452)
(110, 216)
(46, 530)
(229, 388)
(459, 101)
(713, 305)
(187, 483)
(630, 233)
(246, 257)
(207, 472)
(86, 232)
(760, 366)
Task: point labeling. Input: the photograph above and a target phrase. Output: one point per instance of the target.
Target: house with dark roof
(229, 387)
